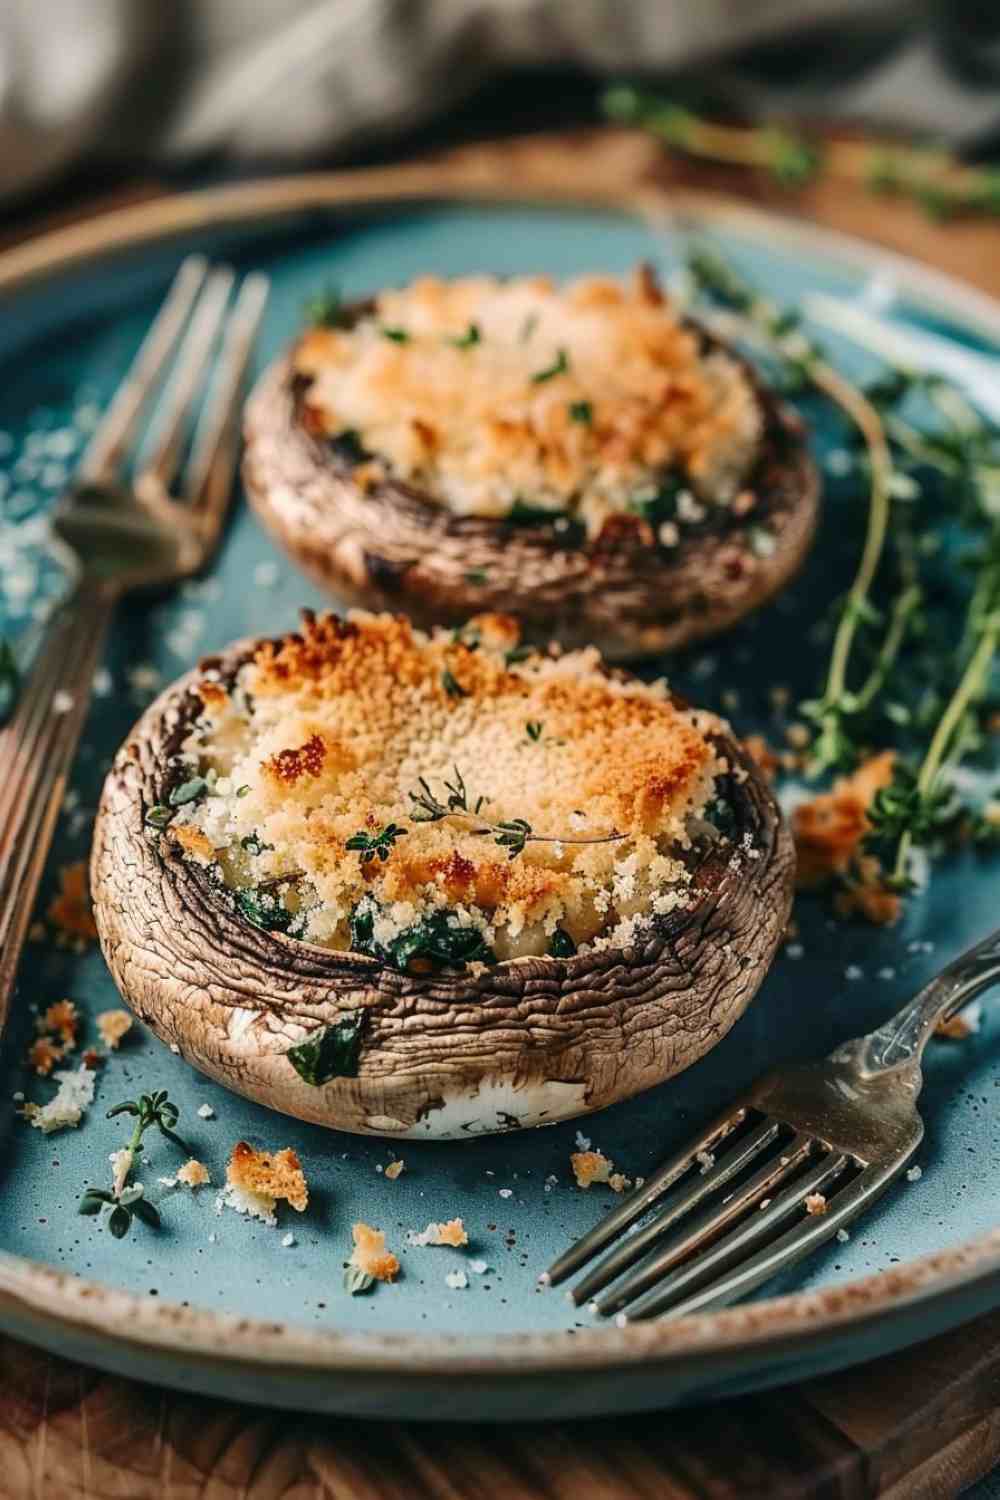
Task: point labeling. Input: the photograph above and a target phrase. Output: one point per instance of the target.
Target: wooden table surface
(921, 1425)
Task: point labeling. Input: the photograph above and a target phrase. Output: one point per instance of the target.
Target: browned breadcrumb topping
(829, 831)
(269, 1174)
(113, 1025)
(451, 1232)
(370, 1256)
(394, 1169)
(348, 716)
(572, 398)
(70, 910)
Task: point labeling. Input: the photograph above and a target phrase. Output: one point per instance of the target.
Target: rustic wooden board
(920, 1425)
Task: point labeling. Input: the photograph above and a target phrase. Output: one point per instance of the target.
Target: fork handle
(900, 1042)
(36, 751)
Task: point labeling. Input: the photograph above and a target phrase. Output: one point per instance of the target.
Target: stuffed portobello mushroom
(583, 456)
(434, 885)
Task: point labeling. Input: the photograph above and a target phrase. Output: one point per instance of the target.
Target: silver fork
(836, 1132)
(154, 530)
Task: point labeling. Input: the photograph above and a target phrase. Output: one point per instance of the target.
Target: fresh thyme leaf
(477, 577)
(357, 1282)
(397, 335)
(581, 411)
(534, 729)
(326, 309)
(158, 816)
(512, 834)
(452, 686)
(188, 791)
(466, 340)
(254, 844)
(119, 1221)
(375, 845)
(559, 366)
(243, 791)
(518, 654)
(332, 1052)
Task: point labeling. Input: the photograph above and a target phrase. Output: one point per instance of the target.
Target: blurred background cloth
(174, 81)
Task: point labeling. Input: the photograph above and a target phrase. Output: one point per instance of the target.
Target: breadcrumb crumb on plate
(67, 1106)
(452, 1232)
(370, 1256)
(816, 1204)
(113, 1025)
(394, 1169)
(594, 1166)
(69, 911)
(256, 1180)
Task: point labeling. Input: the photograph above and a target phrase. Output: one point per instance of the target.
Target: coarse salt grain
(206, 1112)
(914, 1174)
(506, 1192)
(457, 1280)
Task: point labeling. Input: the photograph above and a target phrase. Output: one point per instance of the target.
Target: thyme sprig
(934, 179)
(963, 452)
(512, 834)
(126, 1200)
(371, 846)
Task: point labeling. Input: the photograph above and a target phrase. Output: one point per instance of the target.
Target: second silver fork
(794, 1161)
(125, 531)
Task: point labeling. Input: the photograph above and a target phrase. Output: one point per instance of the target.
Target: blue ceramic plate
(214, 1302)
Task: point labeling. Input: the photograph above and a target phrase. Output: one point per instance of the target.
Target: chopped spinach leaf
(452, 686)
(332, 1052)
(348, 446)
(582, 412)
(396, 335)
(435, 942)
(326, 309)
(266, 910)
(561, 945)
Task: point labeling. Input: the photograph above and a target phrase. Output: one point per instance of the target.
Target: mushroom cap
(525, 1042)
(388, 546)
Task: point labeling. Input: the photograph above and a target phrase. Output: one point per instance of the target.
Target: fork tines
(711, 1224)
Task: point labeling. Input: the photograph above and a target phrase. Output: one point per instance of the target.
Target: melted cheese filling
(327, 736)
(487, 394)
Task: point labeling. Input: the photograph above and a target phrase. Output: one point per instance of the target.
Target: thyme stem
(969, 686)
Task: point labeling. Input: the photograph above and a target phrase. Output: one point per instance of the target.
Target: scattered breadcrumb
(478, 1267)
(457, 1280)
(583, 1142)
(193, 1174)
(706, 1162)
(393, 1170)
(593, 1166)
(452, 1232)
(206, 1112)
(256, 1180)
(288, 1240)
(914, 1174)
(70, 911)
(66, 1108)
(506, 1192)
(816, 1204)
(112, 1026)
(843, 1236)
(829, 830)
(370, 1256)
(963, 1024)
(57, 1036)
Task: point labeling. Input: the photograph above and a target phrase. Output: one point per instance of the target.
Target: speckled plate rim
(704, 1354)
